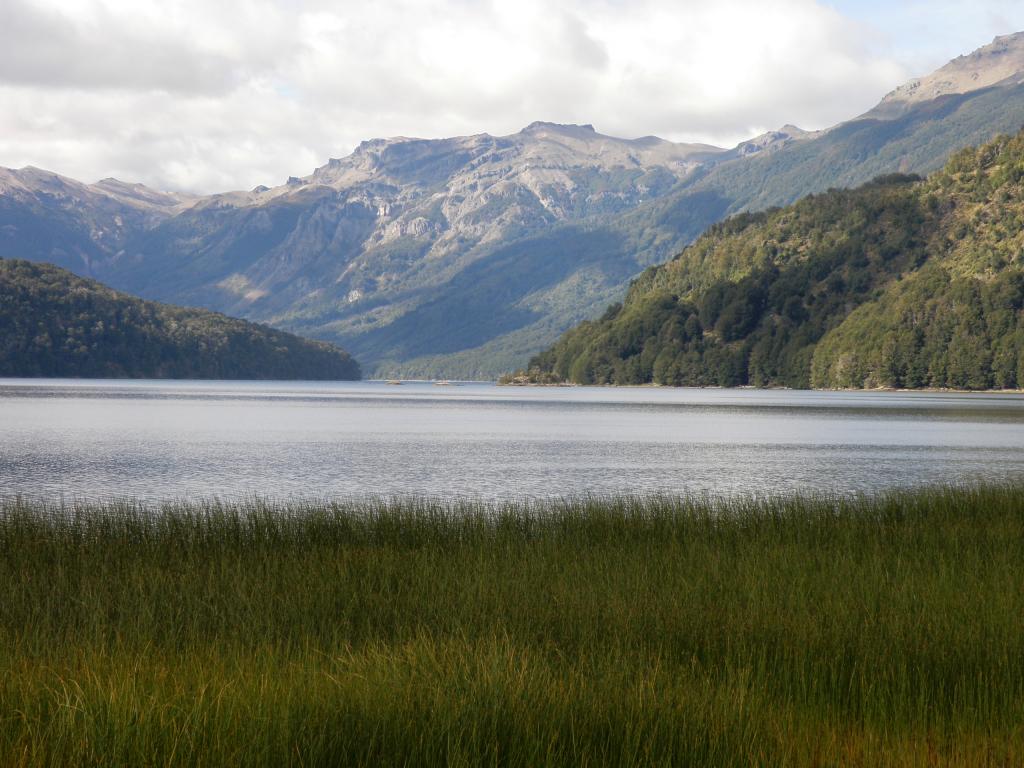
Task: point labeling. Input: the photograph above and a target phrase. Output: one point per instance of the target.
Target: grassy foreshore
(799, 631)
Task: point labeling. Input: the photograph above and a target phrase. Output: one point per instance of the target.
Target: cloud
(43, 47)
(209, 96)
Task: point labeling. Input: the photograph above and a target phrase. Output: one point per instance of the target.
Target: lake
(165, 440)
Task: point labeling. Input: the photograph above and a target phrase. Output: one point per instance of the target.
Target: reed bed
(790, 631)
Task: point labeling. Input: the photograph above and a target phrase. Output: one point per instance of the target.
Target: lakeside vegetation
(55, 324)
(791, 631)
(903, 283)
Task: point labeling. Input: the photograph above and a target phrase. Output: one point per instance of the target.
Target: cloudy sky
(208, 96)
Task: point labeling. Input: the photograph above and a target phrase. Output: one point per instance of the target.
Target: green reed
(801, 630)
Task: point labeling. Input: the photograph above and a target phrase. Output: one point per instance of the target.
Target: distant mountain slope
(81, 227)
(351, 250)
(53, 323)
(463, 257)
(999, 63)
(900, 283)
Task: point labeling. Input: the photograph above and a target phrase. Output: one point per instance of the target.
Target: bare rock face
(563, 171)
(998, 63)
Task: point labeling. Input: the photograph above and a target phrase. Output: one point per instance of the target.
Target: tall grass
(790, 631)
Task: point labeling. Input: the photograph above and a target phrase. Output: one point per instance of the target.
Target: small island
(531, 377)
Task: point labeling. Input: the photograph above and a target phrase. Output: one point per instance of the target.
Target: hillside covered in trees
(903, 282)
(53, 323)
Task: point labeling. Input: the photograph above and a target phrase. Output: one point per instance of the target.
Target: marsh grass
(794, 631)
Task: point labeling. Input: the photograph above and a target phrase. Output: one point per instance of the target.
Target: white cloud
(210, 96)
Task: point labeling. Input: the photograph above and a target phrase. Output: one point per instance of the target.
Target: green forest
(904, 282)
(53, 323)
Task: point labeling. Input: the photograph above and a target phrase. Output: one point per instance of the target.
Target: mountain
(53, 323)
(363, 248)
(74, 225)
(463, 257)
(350, 250)
(999, 63)
(902, 282)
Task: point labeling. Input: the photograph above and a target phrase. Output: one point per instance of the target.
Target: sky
(209, 96)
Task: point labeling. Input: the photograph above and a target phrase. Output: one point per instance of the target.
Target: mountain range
(464, 257)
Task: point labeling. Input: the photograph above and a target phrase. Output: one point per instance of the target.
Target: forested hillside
(53, 323)
(900, 283)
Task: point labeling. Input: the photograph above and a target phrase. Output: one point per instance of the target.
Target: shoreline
(456, 383)
(748, 387)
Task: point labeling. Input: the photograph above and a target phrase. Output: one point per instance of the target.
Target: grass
(790, 631)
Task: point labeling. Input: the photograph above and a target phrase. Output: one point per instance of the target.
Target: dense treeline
(903, 282)
(53, 323)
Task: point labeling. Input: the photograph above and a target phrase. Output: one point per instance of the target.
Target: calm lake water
(161, 440)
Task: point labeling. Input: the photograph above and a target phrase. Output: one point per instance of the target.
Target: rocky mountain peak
(772, 141)
(999, 62)
(541, 126)
(794, 131)
(31, 181)
(141, 196)
(541, 154)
